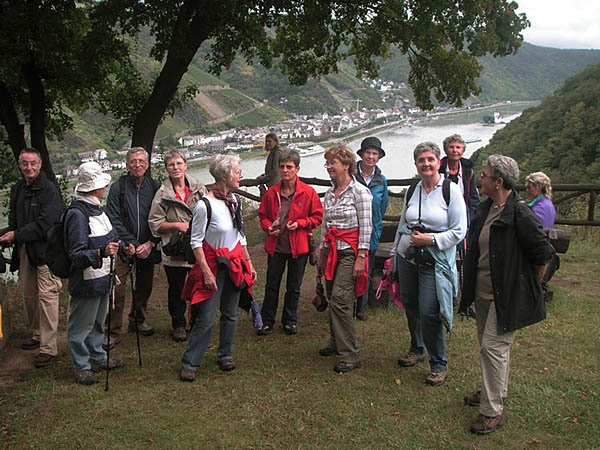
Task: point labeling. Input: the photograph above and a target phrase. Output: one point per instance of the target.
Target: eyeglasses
(482, 175)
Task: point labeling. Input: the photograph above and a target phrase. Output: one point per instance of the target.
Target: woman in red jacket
(287, 212)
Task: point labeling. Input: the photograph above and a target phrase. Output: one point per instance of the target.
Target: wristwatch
(362, 255)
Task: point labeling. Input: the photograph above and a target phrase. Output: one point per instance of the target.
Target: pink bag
(389, 284)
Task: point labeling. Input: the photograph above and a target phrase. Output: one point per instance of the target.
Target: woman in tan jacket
(171, 212)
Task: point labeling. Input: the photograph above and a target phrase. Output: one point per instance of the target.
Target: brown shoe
(410, 359)
(30, 344)
(187, 375)
(226, 365)
(85, 377)
(43, 359)
(485, 425)
(111, 365)
(179, 334)
(143, 328)
(436, 378)
(343, 366)
(362, 316)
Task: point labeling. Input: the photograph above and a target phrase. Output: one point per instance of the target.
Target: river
(398, 144)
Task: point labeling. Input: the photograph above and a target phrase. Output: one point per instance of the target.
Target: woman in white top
(433, 221)
(223, 267)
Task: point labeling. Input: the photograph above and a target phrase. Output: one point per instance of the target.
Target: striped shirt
(351, 209)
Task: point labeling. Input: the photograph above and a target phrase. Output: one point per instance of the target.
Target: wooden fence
(568, 192)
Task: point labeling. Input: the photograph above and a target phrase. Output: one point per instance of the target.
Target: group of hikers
(494, 252)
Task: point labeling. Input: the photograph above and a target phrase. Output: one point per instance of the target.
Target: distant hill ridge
(229, 101)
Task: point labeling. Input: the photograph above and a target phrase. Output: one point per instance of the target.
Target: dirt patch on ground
(14, 361)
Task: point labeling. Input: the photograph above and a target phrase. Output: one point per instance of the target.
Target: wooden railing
(571, 191)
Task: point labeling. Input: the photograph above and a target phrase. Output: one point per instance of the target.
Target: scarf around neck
(234, 208)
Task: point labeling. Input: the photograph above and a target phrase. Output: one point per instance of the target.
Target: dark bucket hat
(371, 142)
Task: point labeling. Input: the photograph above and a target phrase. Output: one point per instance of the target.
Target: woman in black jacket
(505, 261)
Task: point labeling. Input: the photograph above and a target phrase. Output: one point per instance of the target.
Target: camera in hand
(420, 255)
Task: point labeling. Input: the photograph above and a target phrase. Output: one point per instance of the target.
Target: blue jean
(418, 292)
(85, 330)
(364, 300)
(204, 316)
(275, 268)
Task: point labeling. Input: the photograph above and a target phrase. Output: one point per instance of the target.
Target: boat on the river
(314, 150)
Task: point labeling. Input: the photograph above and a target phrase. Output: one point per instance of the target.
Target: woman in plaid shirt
(344, 253)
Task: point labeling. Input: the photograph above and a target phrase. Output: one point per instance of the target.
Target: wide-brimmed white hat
(91, 177)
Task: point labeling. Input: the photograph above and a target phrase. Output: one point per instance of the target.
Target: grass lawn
(284, 395)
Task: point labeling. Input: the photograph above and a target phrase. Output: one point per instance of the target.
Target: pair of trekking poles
(111, 305)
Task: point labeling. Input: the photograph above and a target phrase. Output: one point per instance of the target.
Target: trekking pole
(111, 299)
(132, 267)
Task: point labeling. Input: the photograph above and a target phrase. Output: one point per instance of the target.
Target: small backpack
(181, 243)
(59, 262)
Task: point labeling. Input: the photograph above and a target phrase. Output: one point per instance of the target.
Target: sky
(562, 23)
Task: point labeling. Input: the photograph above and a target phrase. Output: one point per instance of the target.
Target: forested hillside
(561, 136)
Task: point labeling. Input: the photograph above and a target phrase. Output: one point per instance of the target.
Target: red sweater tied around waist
(194, 289)
(351, 238)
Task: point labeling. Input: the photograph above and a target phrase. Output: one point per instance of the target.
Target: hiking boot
(290, 329)
(436, 378)
(115, 340)
(328, 351)
(226, 365)
(179, 334)
(30, 344)
(43, 359)
(343, 366)
(475, 399)
(362, 316)
(411, 359)
(265, 330)
(112, 364)
(187, 375)
(143, 328)
(85, 377)
(485, 425)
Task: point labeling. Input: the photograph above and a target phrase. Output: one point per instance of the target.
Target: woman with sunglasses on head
(505, 261)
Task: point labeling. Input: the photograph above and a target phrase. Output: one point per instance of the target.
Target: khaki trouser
(494, 358)
(341, 294)
(40, 289)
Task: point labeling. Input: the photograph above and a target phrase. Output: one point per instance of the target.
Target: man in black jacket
(127, 207)
(35, 205)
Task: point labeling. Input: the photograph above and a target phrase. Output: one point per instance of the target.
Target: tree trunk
(192, 28)
(10, 119)
(37, 99)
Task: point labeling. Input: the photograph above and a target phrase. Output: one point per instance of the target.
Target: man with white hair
(127, 206)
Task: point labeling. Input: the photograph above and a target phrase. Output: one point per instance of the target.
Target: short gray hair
(541, 180)
(504, 167)
(454, 138)
(290, 155)
(173, 154)
(135, 151)
(221, 166)
(426, 147)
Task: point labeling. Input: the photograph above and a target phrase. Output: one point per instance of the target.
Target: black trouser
(176, 278)
(275, 268)
(142, 290)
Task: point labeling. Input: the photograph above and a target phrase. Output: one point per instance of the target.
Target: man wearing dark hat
(370, 175)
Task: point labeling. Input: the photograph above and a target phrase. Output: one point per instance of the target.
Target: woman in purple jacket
(539, 191)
